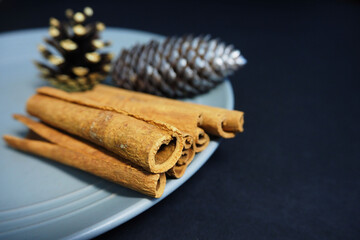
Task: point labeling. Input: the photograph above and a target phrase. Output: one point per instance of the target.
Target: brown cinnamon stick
(154, 146)
(216, 121)
(188, 154)
(184, 122)
(83, 155)
(202, 140)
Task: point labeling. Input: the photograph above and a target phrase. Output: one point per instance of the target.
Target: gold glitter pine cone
(78, 65)
(178, 67)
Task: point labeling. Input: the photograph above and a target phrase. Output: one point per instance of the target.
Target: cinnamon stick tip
(160, 187)
(9, 139)
(241, 123)
(177, 171)
(18, 116)
(164, 154)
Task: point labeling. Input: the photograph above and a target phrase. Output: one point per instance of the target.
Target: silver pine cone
(178, 67)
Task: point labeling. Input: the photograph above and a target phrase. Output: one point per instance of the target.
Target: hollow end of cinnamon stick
(180, 167)
(223, 124)
(160, 186)
(177, 171)
(188, 141)
(162, 156)
(187, 156)
(202, 140)
(235, 123)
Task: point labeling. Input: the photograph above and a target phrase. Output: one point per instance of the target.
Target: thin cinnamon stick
(188, 154)
(87, 157)
(216, 121)
(184, 121)
(202, 140)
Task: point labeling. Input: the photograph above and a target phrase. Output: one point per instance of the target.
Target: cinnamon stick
(154, 146)
(83, 155)
(184, 122)
(188, 154)
(216, 121)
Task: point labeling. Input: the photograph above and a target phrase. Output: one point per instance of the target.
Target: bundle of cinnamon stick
(130, 138)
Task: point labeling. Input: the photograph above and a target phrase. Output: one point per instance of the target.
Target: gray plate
(40, 198)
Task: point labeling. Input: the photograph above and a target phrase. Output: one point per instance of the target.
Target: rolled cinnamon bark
(216, 121)
(87, 157)
(188, 154)
(179, 169)
(202, 140)
(184, 122)
(154, 146)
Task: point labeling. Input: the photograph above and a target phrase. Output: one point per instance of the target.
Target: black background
(294, 172)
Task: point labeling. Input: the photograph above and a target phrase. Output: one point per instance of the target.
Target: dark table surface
(295, 171)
